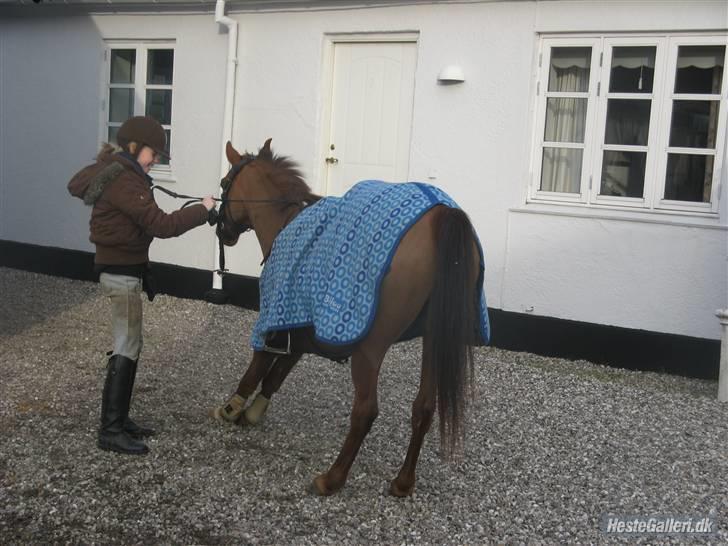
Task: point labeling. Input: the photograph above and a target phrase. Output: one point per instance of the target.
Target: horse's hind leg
(404, 291)
(232, 410)
(364, 372)
(423, 410)
(271, 383)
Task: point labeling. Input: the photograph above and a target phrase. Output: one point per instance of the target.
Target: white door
(371, 113)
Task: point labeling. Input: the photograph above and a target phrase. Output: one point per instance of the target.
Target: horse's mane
(287, 178)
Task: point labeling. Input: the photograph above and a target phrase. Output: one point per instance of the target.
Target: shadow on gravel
(30, 298)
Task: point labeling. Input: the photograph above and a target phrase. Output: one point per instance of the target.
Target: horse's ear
(265, 150)
(232, 154)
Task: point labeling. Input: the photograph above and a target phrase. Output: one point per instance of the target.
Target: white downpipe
(227, 130)
(723, 372)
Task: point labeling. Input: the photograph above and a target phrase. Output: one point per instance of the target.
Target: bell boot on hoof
(255, 412)
(231, 411)
(115, 409)
(134, 430)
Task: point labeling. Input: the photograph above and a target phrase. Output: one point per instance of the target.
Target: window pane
(628, 122)
(561, 170)
(159, 66)
(112, 135)
(633, 69)
(565, 120)
(689, 177)
(699, 69)
(121, 104)
(569, 70)
(694, 123)
(159, 105)
(123, 62)
(623, 173)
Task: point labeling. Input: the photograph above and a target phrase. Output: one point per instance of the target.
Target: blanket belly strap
(303, 341)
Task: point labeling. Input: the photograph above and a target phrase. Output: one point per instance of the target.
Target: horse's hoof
(397, 491)
(319, 487)
(230, 412)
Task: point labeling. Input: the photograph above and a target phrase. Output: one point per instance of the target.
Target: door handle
(332, 160)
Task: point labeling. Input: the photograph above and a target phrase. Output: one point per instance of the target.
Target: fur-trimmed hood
(89, 183)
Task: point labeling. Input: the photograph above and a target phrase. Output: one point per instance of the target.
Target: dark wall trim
(175, 280)
(609, 345)
(61, 262)
(622, 347)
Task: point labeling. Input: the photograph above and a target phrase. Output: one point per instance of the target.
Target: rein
(223, 200)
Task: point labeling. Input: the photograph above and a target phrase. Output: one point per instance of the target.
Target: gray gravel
(552, 444)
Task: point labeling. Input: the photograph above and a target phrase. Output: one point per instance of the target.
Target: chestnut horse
(266, 192)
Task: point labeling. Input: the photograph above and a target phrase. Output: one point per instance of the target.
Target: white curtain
(565, 122)
(701, 56)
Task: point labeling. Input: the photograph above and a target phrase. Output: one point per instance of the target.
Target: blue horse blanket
(326, 267)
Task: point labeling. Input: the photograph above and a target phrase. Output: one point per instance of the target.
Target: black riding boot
(134, 430)
(115, 409)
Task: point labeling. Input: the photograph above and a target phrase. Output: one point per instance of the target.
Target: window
(631, 121)
(139, 83)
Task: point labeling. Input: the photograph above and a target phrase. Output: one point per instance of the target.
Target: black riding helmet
(143, 130)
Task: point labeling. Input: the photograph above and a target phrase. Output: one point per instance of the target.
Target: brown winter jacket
(125, 218)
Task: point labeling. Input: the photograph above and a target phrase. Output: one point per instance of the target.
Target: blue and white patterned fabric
(326, 266)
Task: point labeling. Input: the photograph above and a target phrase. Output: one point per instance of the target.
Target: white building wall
(197, 118)
(666, 274)
(646, 276)
(49, 87)
(477, 136)
(653, 275)
(51, 103)
(471, 135)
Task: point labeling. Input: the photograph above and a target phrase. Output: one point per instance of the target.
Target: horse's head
(256, 181)
(234, 214)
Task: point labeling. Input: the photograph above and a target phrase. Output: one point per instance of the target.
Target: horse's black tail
(451, 322)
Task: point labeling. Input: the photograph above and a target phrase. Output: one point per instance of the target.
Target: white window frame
(659, 130)
(544, 94)
(609, 43)
(718, 154)
(158, 172)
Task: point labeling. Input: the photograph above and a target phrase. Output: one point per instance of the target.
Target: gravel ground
(552, 445)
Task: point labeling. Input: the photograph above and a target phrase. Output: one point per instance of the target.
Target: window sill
(162, 175)
(602, 212)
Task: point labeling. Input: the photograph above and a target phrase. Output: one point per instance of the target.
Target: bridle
(226, 183)
(217, 218)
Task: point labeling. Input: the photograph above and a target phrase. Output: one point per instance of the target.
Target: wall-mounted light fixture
(451, 74)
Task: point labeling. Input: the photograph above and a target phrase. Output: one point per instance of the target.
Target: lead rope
(195, 199)
(192, 198)
(220, 270)
(214, 220)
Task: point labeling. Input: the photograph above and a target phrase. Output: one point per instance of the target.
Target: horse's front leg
(271, 383)
(365, 374)
(232, 410)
